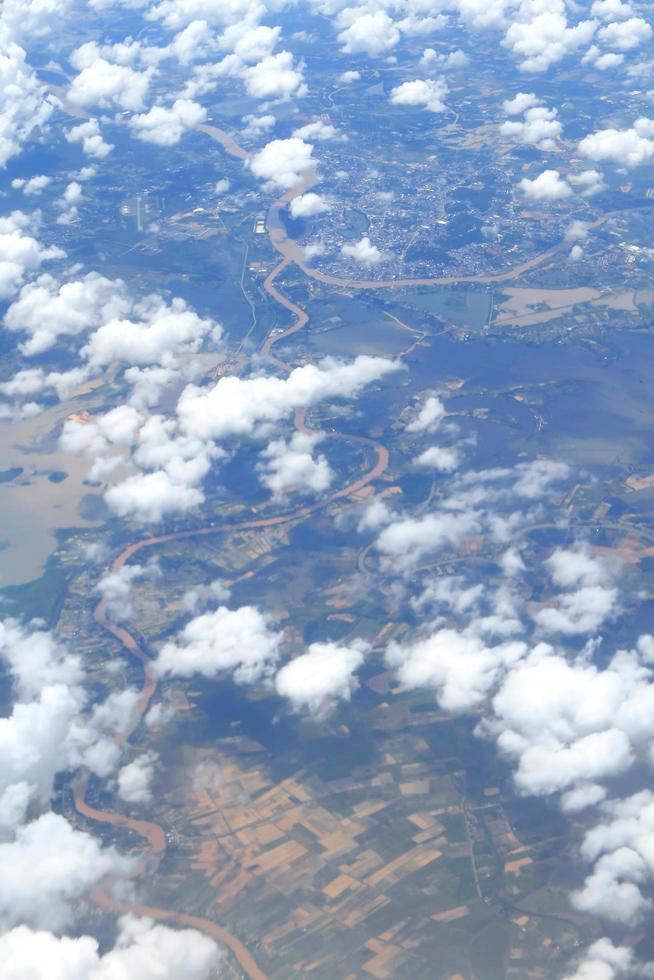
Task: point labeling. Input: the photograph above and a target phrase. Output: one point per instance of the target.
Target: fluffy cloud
(429, 94)
(591, 597)
(363, 252)
(461, 668)
(24, 102)
(105, 84)
(275, 77)
(20, 252)
(239, 641)
(308, 205)
(373, 33)
(236, 406)
(47, 310)
(143, 951)
(548, 186)
(47, 867)
(539, 127)
(321, 676)
(166, 126)
(282, 162)
(158, 333)
(317, 130)
(626, 34)
(291, 466)
(520, 103)
(90, 136)
(429, 417)
(545, 38)
(439, 458)
(135, 779)
(32, 187)
(626, 147)
(603, 960)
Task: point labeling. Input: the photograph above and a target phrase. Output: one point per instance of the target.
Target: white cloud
(166, 126)
(626, 34)
(439, 458)
(539, 127)
(149, 496)
(143, 951)
(32, 187)
(236, 406)
(289, 465)
(105, 84)
(363, 252)
(520, 103)
(461, 668)
(20, 252)
(256, 125)
(90, 136)
(429, 417)
(282, 162)
(429, 93)
(603, 960)
(545, 38)
(47, 867)
(317, 130)
(548, 186)
(275, 77)
(239, 641)
(626, 147)
(135, 779)
(373, 33)
(157, 335)
(24, 103)
(408, 539)
(611, 10)
(315, 680)
(349, 76)
(308, 205)
(47, 310)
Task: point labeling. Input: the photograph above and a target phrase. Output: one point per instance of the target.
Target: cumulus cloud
(591, 595)
(47, 309)
(625, 147)
(545, 38)
(275, 77)
(308, 205)
(90, 136)
(135, 779)
(47, 867)
(24, 103)
(548, 186)
(429, 93)
(461, 668)
(33, 187)
(157, 333)
(282, 162)
(239, 641)
(315, 680)
(236, 406)
(431, 414)
(290, 465)
(317, 130)
(372, 33)
(539, 127)
(439, 458)
(20, 252)
(603, 960)
(102, 83)
(142, 951)
(363, 252)
(166, 126)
